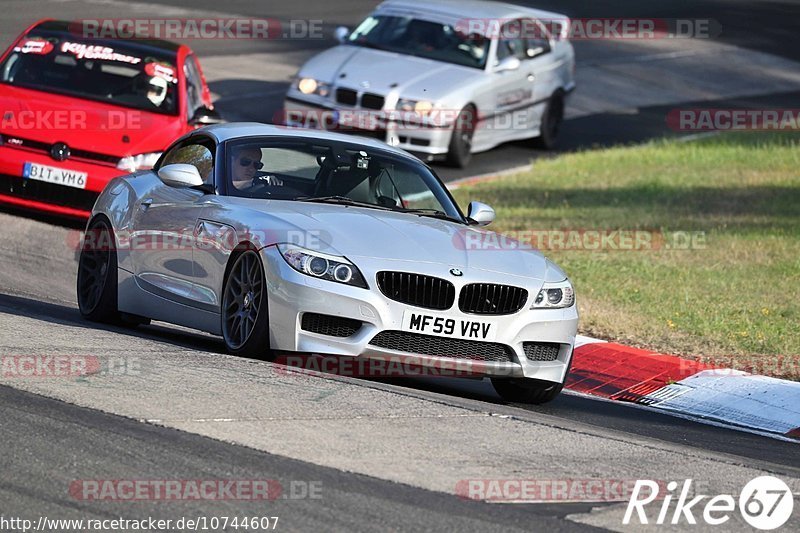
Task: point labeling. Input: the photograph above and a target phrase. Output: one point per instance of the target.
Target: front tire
(550, 126)
(97, 274)
(459, 152)
(245, 320)
(526, 390)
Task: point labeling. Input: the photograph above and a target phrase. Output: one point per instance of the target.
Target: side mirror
(480, 213)
(205, 116)
(341, 33)
(508, 63)
(180, 175)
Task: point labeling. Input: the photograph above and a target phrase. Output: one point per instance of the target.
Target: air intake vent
(371, 101)
(491, 299)
(540, 351)
(334, 326)
(417, 289)
(346, 96)
(417, 344)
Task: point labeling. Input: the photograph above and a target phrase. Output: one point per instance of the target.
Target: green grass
(735, 300)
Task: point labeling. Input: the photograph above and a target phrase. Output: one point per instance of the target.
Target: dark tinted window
(110, 72)
(306, 170)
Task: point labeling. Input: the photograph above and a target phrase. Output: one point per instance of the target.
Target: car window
(306, 170)
(421, 38)
(537, 39)
(289, 162)
(120, 73)
(512, 41)
(198, 155)
(194, 86)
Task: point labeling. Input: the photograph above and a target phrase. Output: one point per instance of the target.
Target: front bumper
(50, 197)
(425, 140)
(292, 294)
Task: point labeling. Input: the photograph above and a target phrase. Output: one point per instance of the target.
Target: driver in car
(245, 169)
(157, 90)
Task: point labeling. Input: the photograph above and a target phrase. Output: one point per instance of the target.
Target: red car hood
(84, 124)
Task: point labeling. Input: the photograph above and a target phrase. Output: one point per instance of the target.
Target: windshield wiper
(341, 200)
(433, 213)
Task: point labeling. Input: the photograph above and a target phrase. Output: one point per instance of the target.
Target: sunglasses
(245, 162)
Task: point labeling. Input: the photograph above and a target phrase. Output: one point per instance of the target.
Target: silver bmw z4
(295, 241)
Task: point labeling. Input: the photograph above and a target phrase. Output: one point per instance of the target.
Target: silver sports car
(292, 241)
(448, 78)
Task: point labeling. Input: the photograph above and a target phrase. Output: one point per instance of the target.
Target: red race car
(76, 112)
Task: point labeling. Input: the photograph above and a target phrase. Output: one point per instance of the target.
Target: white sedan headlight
(421, 107)
(555, 296)
(323, 266)
(312, 86)
(132, 163)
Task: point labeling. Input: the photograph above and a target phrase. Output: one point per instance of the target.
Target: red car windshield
(129, 76)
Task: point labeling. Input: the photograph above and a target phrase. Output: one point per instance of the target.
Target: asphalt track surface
(166, 424)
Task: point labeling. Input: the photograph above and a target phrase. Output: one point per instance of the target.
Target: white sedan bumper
(426, 140)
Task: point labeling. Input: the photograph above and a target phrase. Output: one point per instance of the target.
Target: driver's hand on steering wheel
(268, 179)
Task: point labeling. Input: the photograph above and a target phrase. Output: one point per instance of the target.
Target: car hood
(356, 232)
(84, 124)
(382, 72)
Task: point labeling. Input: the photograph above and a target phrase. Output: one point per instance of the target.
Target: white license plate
(59, 176)
(449, 326)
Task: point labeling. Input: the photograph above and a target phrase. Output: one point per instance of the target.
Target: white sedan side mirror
(341, 33)
(480, 213)
(180, 175)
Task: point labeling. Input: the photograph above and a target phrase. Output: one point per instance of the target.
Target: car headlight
(323, 266)
(312, 86)
(132, 163)
(421, 107)
(555, 296)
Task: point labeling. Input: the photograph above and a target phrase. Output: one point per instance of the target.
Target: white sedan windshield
(422, 38)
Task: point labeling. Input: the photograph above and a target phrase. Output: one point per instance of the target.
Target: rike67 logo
(765, 503)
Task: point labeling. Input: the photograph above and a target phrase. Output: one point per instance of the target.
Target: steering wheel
(262, 189)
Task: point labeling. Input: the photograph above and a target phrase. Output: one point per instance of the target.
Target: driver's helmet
(157, 90)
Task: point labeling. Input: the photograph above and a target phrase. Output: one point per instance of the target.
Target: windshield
(422, 38)
(332, 172)
(120, 75)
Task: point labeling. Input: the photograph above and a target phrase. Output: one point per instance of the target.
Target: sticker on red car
(36, 46)
(105, 53)
(161, 70)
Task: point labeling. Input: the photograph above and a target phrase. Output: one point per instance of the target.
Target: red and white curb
(686, 388)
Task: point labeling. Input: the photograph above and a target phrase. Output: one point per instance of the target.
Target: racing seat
(353, 183)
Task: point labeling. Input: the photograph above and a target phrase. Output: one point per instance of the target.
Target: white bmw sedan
(290, 241)
(448, 78)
